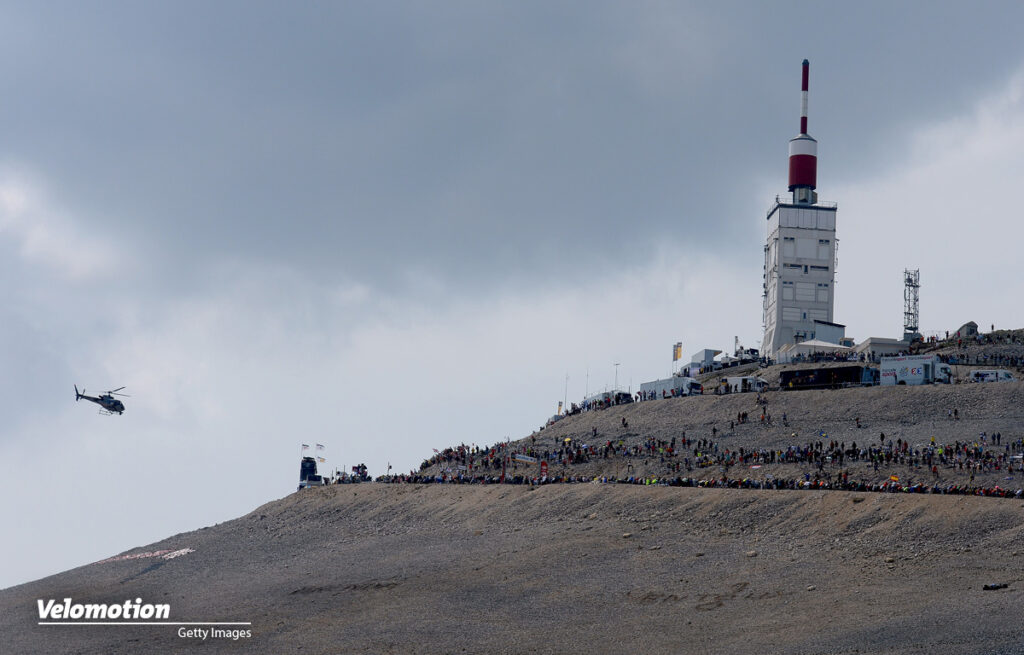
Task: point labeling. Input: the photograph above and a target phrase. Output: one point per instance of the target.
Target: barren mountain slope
(438, 569)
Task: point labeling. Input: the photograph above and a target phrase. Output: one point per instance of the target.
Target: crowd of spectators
(830, 461)
(723, 482)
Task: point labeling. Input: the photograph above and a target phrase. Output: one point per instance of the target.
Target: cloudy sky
(392, 227)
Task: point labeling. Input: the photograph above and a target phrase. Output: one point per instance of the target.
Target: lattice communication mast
(911, 311)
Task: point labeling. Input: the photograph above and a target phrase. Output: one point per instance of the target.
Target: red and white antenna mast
(803, 153)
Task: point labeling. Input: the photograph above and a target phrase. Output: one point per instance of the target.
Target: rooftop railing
(789, 203)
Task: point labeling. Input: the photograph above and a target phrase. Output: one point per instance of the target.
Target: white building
(800, 251)
(874, 348)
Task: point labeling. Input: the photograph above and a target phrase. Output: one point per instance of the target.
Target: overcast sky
(392, 227)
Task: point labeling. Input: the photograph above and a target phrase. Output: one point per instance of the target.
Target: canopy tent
(811, 347)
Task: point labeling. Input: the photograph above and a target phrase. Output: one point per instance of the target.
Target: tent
(811, 347)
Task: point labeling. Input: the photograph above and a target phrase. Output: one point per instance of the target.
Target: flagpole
(565, 398)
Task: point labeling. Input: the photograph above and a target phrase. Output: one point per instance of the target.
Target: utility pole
(616, 376)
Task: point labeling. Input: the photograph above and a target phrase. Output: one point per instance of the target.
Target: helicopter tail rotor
(77, 395)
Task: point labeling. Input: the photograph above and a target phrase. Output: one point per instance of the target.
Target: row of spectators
(986, 454)
(724, 482)
(984, 359)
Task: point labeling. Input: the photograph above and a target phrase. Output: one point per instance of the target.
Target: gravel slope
(448, 569)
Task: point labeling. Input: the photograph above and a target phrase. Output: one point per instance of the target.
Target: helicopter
(108, 404)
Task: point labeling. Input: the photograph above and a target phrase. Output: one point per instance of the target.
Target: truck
(828, 377)
(914, 370)
(675, 386)
(743, 384)
(991, 375)
(307, 474)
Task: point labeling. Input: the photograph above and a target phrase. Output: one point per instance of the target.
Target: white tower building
(800, 253)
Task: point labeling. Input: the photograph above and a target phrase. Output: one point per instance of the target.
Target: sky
(389, 227)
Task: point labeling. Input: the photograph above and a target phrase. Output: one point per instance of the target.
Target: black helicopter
(106, 401)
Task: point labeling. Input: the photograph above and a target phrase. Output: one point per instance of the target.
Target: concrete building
(703, 359)
(800, 251)
(829, 332)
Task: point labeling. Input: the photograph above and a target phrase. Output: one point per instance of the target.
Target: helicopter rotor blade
(117, 389)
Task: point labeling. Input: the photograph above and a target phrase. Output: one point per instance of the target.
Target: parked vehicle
(831, 377)
(676, 385)
(914, 370)
(991, 375)
(743, 384)
(307, 474)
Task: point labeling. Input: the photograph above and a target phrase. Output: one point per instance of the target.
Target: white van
(991, 375)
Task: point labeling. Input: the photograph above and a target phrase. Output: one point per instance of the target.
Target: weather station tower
(800, 252)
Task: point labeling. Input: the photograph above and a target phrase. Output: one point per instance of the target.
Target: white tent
(811, 347)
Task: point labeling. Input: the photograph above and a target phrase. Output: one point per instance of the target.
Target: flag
(559, 407)
(894, 478)
(321, 460)
(435, 450)
(305, 446)
(677, 351)
(319, 446)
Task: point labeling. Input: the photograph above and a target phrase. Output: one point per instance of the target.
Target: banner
(559, 407)
(677, 351)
